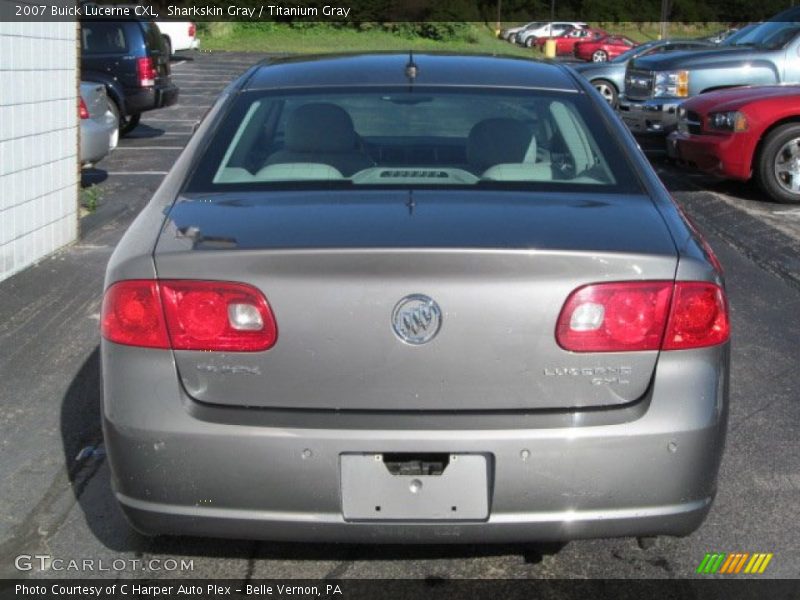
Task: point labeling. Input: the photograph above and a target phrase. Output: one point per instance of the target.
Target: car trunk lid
(334, 266)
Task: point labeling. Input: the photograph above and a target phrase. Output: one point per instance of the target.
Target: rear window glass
(152, 35)
(103, 38)
(413, 137)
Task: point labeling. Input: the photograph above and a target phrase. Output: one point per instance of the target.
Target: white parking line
(792, 212)
(171, 120)
(149, 147)
(153, 137)
(136, 172)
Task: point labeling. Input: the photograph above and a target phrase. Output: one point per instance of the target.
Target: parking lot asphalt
(55, 480)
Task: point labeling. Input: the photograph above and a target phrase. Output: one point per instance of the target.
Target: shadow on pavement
(143, 131)
(92, 176)
(89, 476)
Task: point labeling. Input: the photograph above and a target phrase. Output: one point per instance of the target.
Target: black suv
(130, 58)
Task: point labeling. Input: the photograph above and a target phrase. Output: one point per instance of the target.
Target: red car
(603, 49)
(745, 132)
(565, 43)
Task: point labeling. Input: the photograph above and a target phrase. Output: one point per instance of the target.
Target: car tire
(607, 90)
(126, 123)
(599, 56)
(778, 168)
(529, 42)
(167, 46)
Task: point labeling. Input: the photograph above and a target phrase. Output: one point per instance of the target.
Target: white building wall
(38, 141)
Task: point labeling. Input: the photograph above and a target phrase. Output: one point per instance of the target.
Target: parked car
(178, 35)
(528, 36)
(130, 59)
(470, 311)
(565, 43)
(722, 35)
(98, 123)
(603, 49)
(609, 77)
(509, 34)
(744, 133)
(656, 85)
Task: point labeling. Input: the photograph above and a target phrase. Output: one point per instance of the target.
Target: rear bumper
(176, 474)
(721, 155)
(145, 99)
(150, 517)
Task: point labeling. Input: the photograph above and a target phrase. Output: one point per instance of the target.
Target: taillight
(192, 30)
(643, 315)
(699, 317)
(188, 315)
(83, 112)
(146, 70)
(132, 315)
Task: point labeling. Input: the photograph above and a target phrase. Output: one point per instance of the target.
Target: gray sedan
(439, 299)
(609, 77)
(98, 123)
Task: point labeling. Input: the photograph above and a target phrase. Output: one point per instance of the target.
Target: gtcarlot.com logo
(734, 563)
(47, 562)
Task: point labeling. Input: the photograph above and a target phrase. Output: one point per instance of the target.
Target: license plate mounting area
(415, 487)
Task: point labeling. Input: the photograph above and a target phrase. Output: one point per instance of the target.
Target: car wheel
(778, 167)
(167, 46)
(607, 90)
(128, 123)
(529, 42)
(599, 56)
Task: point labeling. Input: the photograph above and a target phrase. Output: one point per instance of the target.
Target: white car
(509, 34)
(98, 123)
(179, 35)
(527, 37)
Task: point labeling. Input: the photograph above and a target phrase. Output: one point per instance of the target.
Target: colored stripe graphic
(741, 562)
(723, 563)
(729, 562)
(711, 562)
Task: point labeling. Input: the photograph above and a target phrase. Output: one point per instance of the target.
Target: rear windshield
(98, 37)
(413, 137)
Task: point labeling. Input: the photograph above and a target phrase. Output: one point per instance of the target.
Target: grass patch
(478, 38)
(281, 38)
(90, 197)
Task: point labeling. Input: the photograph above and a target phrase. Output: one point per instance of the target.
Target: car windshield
(634, 52)
(418, 137)
(769, 35)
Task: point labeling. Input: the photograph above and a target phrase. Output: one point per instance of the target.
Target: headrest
(495, 141)
(320, 127)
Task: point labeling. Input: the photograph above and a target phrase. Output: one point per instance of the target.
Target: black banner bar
(386, 11)
(397, 589)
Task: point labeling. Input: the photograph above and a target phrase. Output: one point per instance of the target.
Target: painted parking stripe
(149, 147)
(136, 172)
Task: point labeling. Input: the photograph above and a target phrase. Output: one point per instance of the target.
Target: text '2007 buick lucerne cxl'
(394, 298)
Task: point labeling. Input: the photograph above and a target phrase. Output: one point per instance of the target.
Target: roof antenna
(411, 67)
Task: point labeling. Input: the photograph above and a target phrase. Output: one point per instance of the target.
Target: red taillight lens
(132, 315)
(615, 317)
(146, 70)
(83, 112)
(191, 315)
(209, 315)
(636, 316)
(699, 317)
(192, 30)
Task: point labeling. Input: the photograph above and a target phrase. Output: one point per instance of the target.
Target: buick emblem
(416, 319)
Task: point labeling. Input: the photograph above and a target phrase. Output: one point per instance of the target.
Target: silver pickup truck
(768, 53)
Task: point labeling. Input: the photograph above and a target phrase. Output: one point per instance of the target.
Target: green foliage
(90, 197)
